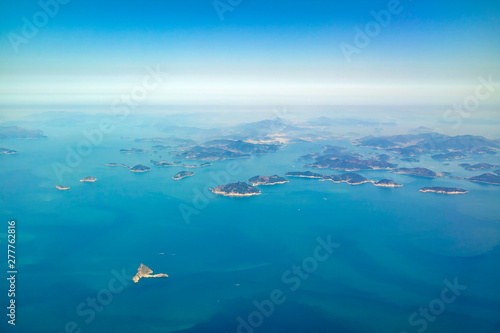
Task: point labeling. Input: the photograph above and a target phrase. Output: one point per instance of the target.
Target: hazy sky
(248, 51)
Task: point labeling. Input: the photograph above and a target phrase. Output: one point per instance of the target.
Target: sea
(305, 256)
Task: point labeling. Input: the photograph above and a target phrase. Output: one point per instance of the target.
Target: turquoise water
(397, 246)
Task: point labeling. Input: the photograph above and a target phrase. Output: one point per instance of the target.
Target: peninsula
(145, 272)
(182, 174)
(444, 190)
(264, 180)
(239, 189)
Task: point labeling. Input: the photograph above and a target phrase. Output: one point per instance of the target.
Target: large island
(239, 189)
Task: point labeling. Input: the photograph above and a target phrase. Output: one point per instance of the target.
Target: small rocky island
(7, 151)
(182, 174)
(444, 190)
(239, 189)
(88, 179)
(264, 180)
(387, 183)
(145, 272)
(62, 188)
(140, 168)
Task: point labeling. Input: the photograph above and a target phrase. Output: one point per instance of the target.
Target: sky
(247, 52)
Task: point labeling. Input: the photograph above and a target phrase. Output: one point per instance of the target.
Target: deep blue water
(397, 246)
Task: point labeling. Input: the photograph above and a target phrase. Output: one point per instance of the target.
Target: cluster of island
(350, 178)
(247, 140)
(242, 189)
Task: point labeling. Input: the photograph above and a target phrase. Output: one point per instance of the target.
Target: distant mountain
(422, 129)
(16, 132)
(347, 122)
(414, 144)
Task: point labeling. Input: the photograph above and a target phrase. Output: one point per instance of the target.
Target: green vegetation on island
(478, 166)
(444, 190)
(239, 189)
(265, 180)
(387, 183)
(488, 178)
(140, 168)
(182, 174)
(421, 172)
